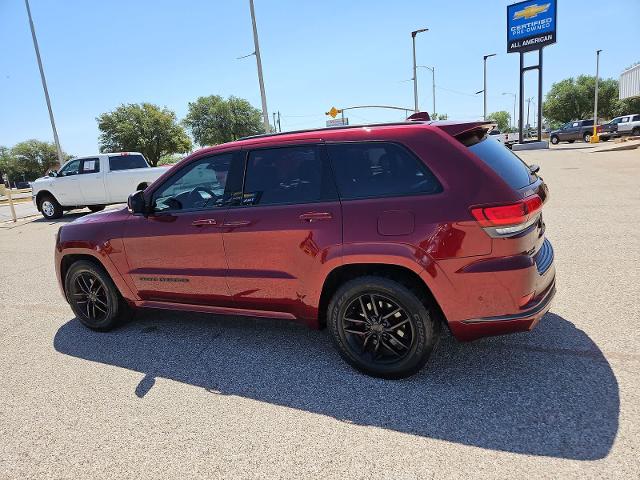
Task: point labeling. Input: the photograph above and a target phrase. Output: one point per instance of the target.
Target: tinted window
(200, 185)
(70, 168)
(586, 123)
(636, 118)
(126, 162)
(504, 162)
(90, 165)
(287, 175)
(379, 169)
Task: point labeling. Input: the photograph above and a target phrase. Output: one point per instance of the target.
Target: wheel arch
(401, 274)
(41, 194)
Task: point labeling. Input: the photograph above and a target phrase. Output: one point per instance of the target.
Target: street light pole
(514, 107)
(44, 85)
(485, 82)
(263, 97)
(415, 69)
(433, 84)
(595, 102)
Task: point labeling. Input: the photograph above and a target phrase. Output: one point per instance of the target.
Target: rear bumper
(471, 329)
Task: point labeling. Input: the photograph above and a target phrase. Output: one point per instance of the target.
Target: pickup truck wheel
(586, 137)
(96, 208)
(50, 208)
(381, 327)
(93, 297)
(635, 131)
(555, 140)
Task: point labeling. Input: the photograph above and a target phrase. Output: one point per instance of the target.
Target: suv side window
(201, 185)
(636, 118)
(379, 169)
(70, 168)
(287, 175)
(90, 165)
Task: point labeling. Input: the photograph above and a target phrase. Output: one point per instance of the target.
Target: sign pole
(521, 111)
(540, 95)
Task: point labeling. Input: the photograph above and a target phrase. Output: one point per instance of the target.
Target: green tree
(502, 119)
(144, 128)
(32, 159)
(572, 99)
(213, 120)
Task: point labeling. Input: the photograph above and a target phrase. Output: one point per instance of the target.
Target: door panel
(92, 182)
(288, 232)
(277, 255)
(176, 253)
(173, 257)
(65, 186)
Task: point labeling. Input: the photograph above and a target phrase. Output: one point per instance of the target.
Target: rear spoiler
(468, 133)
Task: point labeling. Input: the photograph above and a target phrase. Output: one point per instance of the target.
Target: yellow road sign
(333, 112)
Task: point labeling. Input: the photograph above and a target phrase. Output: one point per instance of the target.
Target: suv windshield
(504, 162)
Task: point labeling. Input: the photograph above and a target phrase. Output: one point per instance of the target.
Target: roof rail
(339, 127)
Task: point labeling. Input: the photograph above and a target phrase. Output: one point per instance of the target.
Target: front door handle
(204, 222)
(236, 223)
(313, 216)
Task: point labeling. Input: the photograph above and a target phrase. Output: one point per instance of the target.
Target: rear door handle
(312, 216)
(236, 223)
(204, 222)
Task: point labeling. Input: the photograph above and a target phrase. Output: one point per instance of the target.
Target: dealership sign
(531, 25)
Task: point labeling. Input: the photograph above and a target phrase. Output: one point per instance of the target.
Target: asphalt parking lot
(195, 396)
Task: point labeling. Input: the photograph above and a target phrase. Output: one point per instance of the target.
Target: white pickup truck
(93, 182)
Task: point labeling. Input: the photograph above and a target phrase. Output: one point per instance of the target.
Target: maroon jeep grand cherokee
(382, 233)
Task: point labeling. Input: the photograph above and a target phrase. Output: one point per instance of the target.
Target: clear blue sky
(99, 54)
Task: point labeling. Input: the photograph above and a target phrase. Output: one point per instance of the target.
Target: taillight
(508, 219)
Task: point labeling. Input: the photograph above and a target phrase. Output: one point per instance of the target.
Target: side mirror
(137, 203)
(534, 168)
(53, 173)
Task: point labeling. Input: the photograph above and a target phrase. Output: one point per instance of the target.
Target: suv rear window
(504, 162)
(126, 162)
(379, 169)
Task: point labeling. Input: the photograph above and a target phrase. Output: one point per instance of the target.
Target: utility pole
(279, 126)
(529, 100)
(594, 137)
(485, 82)
(415, 68)
(263, 96)
(44, 85)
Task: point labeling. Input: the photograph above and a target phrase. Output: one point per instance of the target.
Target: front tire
(555, 140)
(93, 297)
(50, 208)
(381, 327)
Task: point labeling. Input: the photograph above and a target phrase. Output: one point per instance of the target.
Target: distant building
(630, 82)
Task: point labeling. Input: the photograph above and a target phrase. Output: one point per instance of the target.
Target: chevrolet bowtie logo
(531, 11)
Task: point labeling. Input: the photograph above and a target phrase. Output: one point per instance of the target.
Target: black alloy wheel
(381, 327)
(93, 296)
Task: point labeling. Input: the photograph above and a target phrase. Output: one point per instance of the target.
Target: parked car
(507, 139)
(629, 125)
(384, 234)
(609, 130)
(93, 182)
(572, 131)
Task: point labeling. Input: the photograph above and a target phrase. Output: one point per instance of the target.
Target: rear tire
(555, 140)
(96, 208)
(635, 131)
(94, 298)
(381, 327)
(586, 137)
(49, 207)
